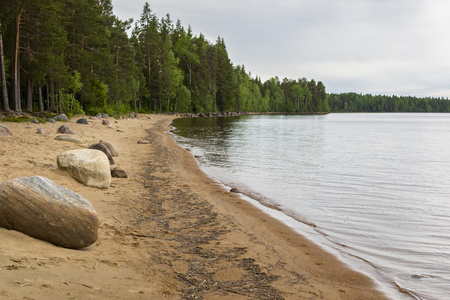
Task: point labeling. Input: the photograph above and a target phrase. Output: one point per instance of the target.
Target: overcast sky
(391, 47)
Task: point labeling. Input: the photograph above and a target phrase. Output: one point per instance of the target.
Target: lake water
(373, 189)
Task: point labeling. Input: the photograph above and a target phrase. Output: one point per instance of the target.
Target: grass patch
(20, 119)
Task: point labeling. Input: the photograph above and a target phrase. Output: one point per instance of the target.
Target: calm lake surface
(373, 189)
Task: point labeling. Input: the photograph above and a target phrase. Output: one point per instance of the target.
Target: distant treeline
(353, 102)
(75, 56)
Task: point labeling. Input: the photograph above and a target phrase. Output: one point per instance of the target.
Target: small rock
(119, 172)
(106, 122)
(67, 138)
(82, 121)
(120, 130)
(4, 131)
(61, 117)
(53, 166)
(143, 142)
(93, 118)
(104, 149)
(65, 130)
(40, 131)
(234, 190)
(105, 116)
(42, 209)
(35, 121)
(50, 120)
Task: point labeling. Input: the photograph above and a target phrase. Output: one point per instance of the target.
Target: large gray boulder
(88, 166)
(42, 209)
(4, 131)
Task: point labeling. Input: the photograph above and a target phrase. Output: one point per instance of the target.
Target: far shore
(235, 114)
(167, 231)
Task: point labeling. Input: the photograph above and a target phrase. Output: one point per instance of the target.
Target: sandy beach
(166, 232)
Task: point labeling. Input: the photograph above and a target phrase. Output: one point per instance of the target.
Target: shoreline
(168, 231)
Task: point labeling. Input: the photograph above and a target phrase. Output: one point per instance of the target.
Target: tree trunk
(168, 101)
(149, 78)
(16, 74)
(41, 102)
(189, 65)
(47, 99)
(29, 95)
(175, 105)
(52, 95)
(61, 109)
(117, 73)
(2, 67)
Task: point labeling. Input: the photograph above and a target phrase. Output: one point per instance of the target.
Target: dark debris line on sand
(191, 227)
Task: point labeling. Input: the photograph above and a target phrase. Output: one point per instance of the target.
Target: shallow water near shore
(371, 188)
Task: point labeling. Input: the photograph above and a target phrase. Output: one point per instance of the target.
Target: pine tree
(171, 76)
(147, 35)
(3, 74)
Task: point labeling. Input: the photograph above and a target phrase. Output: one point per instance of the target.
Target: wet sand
(167, 231)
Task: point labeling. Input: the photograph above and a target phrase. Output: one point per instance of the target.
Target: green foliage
(98, 97)
(70, 106)
(183, 99)
(353, 102)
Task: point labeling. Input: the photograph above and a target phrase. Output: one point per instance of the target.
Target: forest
(77, 57)
(353, 102)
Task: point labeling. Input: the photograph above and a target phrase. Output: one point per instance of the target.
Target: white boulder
(88, 166)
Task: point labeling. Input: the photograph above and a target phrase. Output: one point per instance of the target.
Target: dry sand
(167, 231)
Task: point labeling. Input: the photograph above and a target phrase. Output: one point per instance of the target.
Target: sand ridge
(166, 232)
